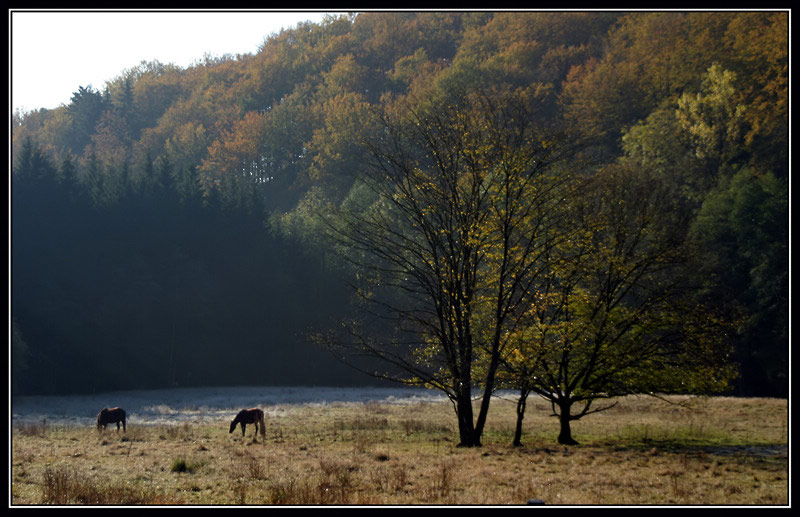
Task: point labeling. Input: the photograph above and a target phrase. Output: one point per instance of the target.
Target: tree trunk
(487, 393)
(521, 402)
(565, 436)
(466, 428)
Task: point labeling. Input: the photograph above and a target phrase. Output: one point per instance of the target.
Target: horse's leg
(123, 425)
(243, 426)
(117, 425)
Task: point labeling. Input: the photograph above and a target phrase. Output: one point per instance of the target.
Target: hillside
(164, 228)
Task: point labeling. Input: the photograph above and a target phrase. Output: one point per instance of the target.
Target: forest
(449, 199)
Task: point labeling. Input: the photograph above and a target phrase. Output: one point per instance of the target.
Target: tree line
(577, 205)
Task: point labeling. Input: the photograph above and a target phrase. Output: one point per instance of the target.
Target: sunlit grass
(643, 451)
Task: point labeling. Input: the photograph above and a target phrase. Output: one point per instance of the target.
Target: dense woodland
(165, 226)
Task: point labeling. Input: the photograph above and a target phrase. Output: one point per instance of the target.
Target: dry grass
(716, 451)
(63, 485)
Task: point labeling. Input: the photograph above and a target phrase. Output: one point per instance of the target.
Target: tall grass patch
(63, 485)
(38, 428)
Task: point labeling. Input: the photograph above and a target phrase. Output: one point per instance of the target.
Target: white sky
(53, 53)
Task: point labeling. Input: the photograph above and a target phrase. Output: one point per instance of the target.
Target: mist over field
(197, 405)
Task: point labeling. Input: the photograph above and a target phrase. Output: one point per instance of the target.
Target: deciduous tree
(449, 241)
(612, 317)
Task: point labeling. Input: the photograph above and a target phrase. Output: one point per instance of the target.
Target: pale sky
(53, 53)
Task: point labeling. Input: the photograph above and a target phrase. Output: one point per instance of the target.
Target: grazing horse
(109, 416)
(250, 416)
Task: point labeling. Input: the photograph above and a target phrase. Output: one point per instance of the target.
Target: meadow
(644, 451)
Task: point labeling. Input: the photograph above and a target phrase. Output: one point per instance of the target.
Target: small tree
(611, 318)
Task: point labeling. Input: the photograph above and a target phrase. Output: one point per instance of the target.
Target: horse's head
(233, 426)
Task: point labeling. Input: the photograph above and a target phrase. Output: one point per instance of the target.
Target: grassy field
(712, 451)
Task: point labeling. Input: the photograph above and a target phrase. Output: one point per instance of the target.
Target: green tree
(697, 145)
(612, 317)
(68, 177)
(658, 144)
(742, 235)
(31, 162)
(713, 120)
(184, 150)
(85, 108)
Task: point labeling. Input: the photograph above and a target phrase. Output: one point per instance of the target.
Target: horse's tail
(261, 424)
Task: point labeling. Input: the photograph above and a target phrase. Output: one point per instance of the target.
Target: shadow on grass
(779, 451)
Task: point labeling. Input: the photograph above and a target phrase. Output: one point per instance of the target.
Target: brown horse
(250, 416)
(110, 416)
